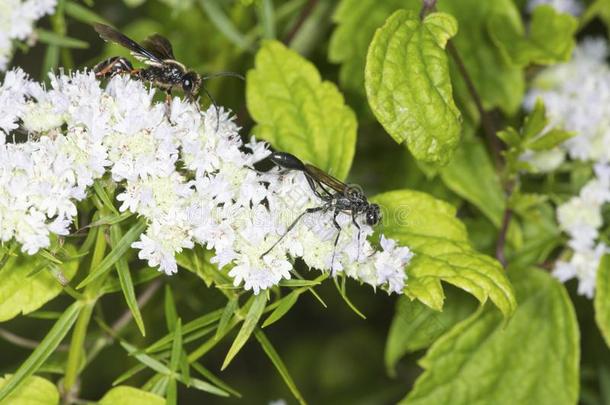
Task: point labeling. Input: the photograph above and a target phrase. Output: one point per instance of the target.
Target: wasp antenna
(215, 106)
(223, 74)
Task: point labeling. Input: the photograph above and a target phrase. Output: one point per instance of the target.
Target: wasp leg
(293, 224)
(113, 66)
(359, 231)
(332, 262)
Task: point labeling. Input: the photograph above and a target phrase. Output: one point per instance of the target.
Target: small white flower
(576, 95)
(17, 18)
(189, 175)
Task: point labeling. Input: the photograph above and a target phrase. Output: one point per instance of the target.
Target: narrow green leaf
(124, 395)
(100, 191)
(442, 251)
(227, 314)
(266, 15)
(122, 269)
(214, 379)
(145, 359)
(416, 326)
(293, 283)
(254, 314)
(116, 253)
(46, 347)
(171, 315)
(207, 387)
(51, 60)
(20, 294)
(279, 364)
(550, 37)
(171, 395)
(51, 38)
(34, 391)
(298, 112)
(549, 140)
(408, 85)
(282, 309)
(82, 13)
(486, 360)
(190, 327)
(343, 294)
(176, 346)
(602, 298)
(111, 219)
(224, 24)
(129, 373)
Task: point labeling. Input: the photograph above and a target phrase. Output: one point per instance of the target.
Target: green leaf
(550, 38)
(498, 83)
(122, 269)
(598, 8)
(100, 191)
(254, 314)
(533, 359)
(34, 391)
(416, 326)
(442, 251)
(42, 352)
(282, 309)
(125, 395)
(214, 379)
(117, 252)
(472, 176)
(298, 112)
(266, 16)
(22, 294)
(51, 38)
(408, 85)
(171, 315)
(227, 314)
(356, 22)
(172, 389)
(549, 140)
(82, 13)
(535, 122)
(602, 298)
(279, 364)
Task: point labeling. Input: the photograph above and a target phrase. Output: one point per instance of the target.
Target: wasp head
(373, 214)
(191, 81)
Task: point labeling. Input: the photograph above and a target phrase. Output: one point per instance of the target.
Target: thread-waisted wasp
(163, 70)
(336, 196)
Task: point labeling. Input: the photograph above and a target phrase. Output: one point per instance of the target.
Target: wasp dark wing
(325, 178)
(159, 46)
(109, 34)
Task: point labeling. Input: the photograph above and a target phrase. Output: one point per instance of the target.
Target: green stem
(80, 329)
(76, 346)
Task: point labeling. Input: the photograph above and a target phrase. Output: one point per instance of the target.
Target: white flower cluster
(573, 7)
(187, 172)
(17, 18)
(581, 217)
(576, 95)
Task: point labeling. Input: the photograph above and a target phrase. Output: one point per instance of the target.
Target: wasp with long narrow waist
(163, 70)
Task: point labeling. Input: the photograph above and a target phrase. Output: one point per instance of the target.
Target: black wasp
(336, 196)
(163, 70)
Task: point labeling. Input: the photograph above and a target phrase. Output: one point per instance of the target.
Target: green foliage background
(549, 351)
